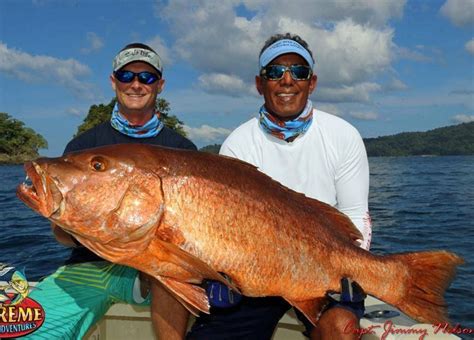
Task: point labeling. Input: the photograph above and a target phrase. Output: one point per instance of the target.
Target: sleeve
(237, 146)
(352, 186)
(227, 150)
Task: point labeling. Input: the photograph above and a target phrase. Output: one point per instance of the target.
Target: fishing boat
(381, 321)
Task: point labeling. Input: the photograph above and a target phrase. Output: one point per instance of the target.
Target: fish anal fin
(312, 309)
(193, 297)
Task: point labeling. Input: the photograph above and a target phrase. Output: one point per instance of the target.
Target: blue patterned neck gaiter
(150, 129)
(286, 130)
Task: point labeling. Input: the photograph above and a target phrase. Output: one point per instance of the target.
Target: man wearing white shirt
(309, 151)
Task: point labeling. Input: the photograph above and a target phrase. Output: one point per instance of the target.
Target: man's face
(286, 98)
(135, 97)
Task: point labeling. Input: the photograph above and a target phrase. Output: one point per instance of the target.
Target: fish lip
(42, 195)
(31, 195)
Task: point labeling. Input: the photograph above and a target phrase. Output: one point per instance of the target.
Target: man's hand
(220, 295)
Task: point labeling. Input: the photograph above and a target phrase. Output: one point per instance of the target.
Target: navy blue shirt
(105, 134)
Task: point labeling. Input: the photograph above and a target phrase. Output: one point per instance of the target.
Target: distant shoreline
(17, 160)
(388, 156)
(454, 140)
(6, 159)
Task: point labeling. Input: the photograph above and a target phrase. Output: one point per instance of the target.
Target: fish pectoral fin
(197, 268)
(312, 309)
(193, 297)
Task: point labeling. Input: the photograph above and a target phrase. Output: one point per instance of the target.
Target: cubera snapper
(184, 216)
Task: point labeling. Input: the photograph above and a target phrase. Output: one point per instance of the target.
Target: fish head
(100, 194)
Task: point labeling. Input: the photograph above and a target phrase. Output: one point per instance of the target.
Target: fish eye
(98, 164)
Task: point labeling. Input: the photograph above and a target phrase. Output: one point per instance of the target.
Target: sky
(384, 66)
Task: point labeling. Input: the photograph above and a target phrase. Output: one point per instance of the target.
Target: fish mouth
(42, 195)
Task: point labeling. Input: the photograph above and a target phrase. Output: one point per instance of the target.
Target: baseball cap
(137, 52)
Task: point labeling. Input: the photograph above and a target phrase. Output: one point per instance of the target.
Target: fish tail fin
(429, 275)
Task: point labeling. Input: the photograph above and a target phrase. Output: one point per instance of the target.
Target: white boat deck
(125, 322)
(131, 322)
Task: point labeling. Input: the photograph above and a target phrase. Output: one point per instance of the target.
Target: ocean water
(416, 203)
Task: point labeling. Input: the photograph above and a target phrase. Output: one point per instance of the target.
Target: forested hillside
(449, 140)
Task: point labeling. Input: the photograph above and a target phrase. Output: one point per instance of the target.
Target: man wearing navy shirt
(78, 294)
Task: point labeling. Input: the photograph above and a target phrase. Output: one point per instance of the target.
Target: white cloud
(350, 53)
(41, 2)
(227, 84)
(463, 118)
(74, 112)
(160, 47)
(95, 43)
(354, 93)
(212, 38)
(364, 115)
(463, 92)
(350, 39)
(459, 12)
(221, 110)
(470, 46)
(395, 85)
(375, 12)
(405, 53)
(428, 100)
(46, 69)
(329, 108)
(206, 133)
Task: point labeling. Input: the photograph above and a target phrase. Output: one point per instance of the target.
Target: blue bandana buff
(150, 129)
(286, 130)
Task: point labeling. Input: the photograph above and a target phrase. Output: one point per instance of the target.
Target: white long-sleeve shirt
(328, 163)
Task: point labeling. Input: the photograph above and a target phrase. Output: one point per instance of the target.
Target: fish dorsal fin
(336, 221)
(312, 309)
(198, 269)
(192, 297)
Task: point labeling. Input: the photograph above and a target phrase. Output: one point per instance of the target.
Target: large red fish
(182, 216)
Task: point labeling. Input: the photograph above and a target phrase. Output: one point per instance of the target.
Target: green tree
(214, 148)
(172, 122)
(17, 142)
(102, 113)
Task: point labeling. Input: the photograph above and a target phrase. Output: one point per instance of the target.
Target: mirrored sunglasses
(143, 77)
(276, 72)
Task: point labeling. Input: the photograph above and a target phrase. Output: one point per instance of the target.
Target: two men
(305, 149)
(78, 294)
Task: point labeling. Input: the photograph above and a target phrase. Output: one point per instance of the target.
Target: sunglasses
(276, 72)
(143, 77)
